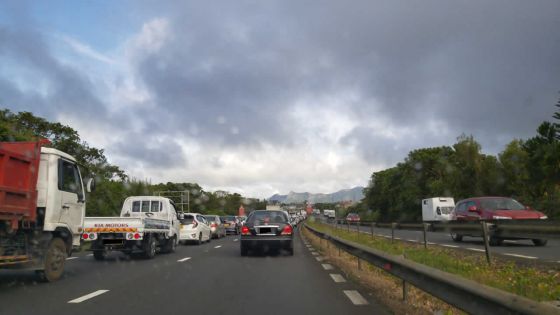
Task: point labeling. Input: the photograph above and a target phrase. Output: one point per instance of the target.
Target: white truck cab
(437, 209)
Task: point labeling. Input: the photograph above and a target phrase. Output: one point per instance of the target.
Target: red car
(494, 208)
(352, 218)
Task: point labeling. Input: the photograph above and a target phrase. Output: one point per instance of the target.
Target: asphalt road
(209, 279)
(518, 249)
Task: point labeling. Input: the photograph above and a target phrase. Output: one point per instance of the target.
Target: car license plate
(265, 230)
(226, 225)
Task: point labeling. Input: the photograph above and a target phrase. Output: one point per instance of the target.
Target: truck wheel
(150, 247)
(170, 245)
(539, 242)
(456, 237)
(495, 241)
(53, 262)
(99, 254)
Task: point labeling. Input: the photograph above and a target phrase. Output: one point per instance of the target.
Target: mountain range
(354, 194)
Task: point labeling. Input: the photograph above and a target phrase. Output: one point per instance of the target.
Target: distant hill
(355, 194)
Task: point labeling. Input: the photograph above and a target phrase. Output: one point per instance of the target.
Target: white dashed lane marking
(476, 249)
(355, 297)
(70, 258)
(452, 246)
(330, 267)
(412, 241)
(184, 259)
(235, 240)
(88, 296)
(337, 278)
(314, 253)
(89, 255)
(218, 246)
(521, 256)
(319, 259)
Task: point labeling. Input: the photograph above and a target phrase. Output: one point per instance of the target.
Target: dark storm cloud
(67, 89)
(143, 150)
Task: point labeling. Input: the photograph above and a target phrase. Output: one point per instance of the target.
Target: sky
(264, 97)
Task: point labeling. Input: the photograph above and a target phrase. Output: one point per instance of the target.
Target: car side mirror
(473, 209)
(528, 208)
(181, 216)
(90, 185)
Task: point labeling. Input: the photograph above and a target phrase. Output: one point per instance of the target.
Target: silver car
(216, 226)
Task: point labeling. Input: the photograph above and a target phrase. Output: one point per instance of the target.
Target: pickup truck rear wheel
(539, 242)
(99, 254)
(150, 247)
(53, 262)
(170, 245)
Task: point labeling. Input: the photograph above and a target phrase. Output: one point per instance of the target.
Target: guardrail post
(372, 224)
(425, 238)
(393, 232)
(486, 245)
(358, 228)
(404, 290)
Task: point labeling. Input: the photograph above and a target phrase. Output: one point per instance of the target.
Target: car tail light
(213, 225)
(85, 236)
(245, 230)
(287, 230)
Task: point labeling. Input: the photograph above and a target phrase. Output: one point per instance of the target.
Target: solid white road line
(330, 267)
(412, 241)
(337, 278)
(452, 246)
(520, 256)
(89, 255)
(218, 246)
(70, 258)
(356, 297)
(476, 249)
(430, 243)
(184, 259)
(88, 296)
(235, 240)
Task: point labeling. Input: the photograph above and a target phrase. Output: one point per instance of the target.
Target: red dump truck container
(19, 169)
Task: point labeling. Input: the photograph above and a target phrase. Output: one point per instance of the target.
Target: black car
(267, 229)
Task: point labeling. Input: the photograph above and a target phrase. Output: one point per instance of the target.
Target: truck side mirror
(90, 185)
(181, 216)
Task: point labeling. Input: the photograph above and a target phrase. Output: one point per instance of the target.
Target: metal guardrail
(464, 294)
(531, 229)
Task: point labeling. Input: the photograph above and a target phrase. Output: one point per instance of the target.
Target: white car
(194, 228)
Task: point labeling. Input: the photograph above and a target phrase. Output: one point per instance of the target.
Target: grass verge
(525, 281)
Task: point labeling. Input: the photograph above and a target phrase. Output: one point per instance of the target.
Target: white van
(437, 209)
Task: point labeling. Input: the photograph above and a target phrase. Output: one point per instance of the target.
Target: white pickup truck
(146, 223)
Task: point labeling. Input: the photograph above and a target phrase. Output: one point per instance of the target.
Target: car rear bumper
(188, 235)
(267, 241)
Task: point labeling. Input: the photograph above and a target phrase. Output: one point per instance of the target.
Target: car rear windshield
(188, 219)
(501, 204)
(210, 218)
(267, 217)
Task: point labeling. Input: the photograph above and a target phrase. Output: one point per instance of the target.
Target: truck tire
(150, 247)
(456, 237)
(170, 245)
(539, 242)
(53, 261)
(99, 254)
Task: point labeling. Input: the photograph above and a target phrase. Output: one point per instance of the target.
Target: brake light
(213, 225)
(85, 236)
(287, 230)
(245, 230)
(136, 236)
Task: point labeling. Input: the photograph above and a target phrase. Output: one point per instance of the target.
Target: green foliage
(525, 170)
